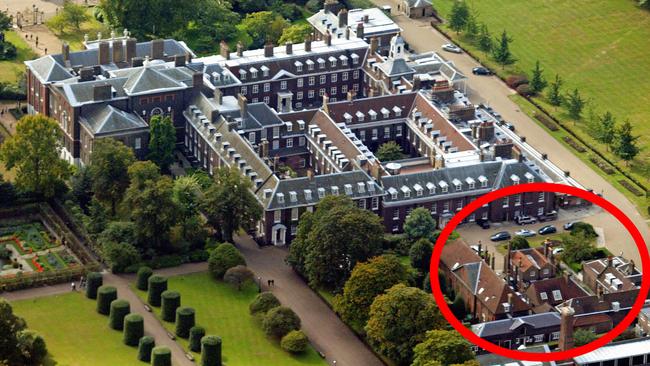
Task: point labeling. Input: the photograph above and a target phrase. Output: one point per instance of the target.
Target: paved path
(325, 330)
(491, 90)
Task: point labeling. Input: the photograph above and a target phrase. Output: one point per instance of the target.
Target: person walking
(73, 287)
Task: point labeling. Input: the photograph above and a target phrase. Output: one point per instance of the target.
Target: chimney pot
(360, 30)
(289, 47)
(243, 105)
(157, 49)
(130, 49)
(103, 57)
(328, 38)
(343, 18)
(240, 49)
(268, 50)
(224, 51)
(218, 96)
(65, 50)
(308, 44)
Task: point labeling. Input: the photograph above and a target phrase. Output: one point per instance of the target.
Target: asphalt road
(489, 89)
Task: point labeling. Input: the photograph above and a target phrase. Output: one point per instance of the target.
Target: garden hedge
(133, 329)
(280, 321)
(263, 303)
(196, 333)
(157, 285)
(93, 281)
(171, 300)
(210, 351)
(105, 295)
(119, 309)
(161, 356)
(185, 320)
(295, 342)
(142, 282)
(145, 346)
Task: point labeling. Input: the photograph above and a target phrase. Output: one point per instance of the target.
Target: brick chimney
(224, 51)
(330, 6)
(103, 53)
(308, 44)
(268, 49)
(264, 148)
(130, 49)
(289, 48)
(347, 33)
(197, 80)
(118, 52)
(343, 18)
(65, 51)
(328, 38)
(157, 49)
(179, 60)
(360, 30)
(610, 261)
(243, 105)
(102, 92)
(366, 18)
(374, 45)
(511, 302)
(218, 96)
(240, 49)
(417, 83)
(546, 244)
(565, 342)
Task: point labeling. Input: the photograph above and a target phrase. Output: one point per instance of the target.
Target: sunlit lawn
(11, 69)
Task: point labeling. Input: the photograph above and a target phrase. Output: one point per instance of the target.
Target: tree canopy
(577, 248)
(162, 141)
(109, 164)
(420, 224)
(501, 52)
(34, 151)
(459, 16)
(296, 33)
(537, 81)
(575, 104)
(262, 27)
(626, 144)
(445, 346)
(554, 95)
(389, 151)
(420, 255)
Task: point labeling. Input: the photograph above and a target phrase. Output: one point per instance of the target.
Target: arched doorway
(279, 234)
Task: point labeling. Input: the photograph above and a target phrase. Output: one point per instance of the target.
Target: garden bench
(171, 335)
(147, 308)
(189, 357)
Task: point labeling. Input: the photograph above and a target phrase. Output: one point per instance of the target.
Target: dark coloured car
(501, 236)
(548, 229)
(485, 224)
(481, 71)
(510, 126)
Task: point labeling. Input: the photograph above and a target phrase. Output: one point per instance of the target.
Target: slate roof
(378, 22)
(396, 67)
(148, 80)
(419, 3)
(82, 93)
(258, 116)
(492, 359)
(568, 290)
(106, 119)
(616, 350)
(404, 102)
(506, 326)
(47, 69)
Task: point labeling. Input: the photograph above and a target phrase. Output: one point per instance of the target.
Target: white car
(450, 47)
(525, 233)
(557, 251)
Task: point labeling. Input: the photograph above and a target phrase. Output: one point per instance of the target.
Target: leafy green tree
(367, 281)
(575, 104)
(577, 248)
(140, 173)
(583, 336)
(458, 307)
(644, 4)
(238, 275)
(222, 258)
(606, 129)
(249, 6)
(206, 28)
(555, 97)
(537, 82)
(118, 232)
(262, 27)
(263, 302)
(399, 320)
(458, 16)
(5, 21)
(519, 242)
(389, 151)
(420, 255)
(31, 347)
(34, 151)
(295, 33)
(585, 229)
(119, 255)
(97, 217)
(501, 53)
(187, 196)
(626, 145)
(229, 203)
(74, 14)
(485, 41)
(162, 141)
(295, 342)
(82, 187)
(151, 18)
(419, 224)
(109, 163)
(280, 321)
(472, 28)
(10, 326)
(445, 346)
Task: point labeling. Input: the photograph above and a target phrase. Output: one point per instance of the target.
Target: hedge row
(161, 356)
(157, 285)
(185, 320)
(145, 346)
(133, 329)
(546, 121)
(142, 282)
(171, 300)
(630, 188)
(119, 310)
(574, 144)
(196, 334)
(602, 165)
(93, 281)
(105, 295)
(210, 351)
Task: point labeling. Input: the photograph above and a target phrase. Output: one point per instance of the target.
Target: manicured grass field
(223, 311)
(600, 47)
(75, 333)
(10, 69)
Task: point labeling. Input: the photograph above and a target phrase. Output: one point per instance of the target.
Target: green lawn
(223, 311)
(11, 69)
(600, 47)
(75, 333)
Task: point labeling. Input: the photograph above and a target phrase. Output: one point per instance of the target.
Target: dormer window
(293, 196)
(418, 190)
(253, 72)
(335, 190)
(348, 117)
(515, 179)
(308, 194)
(397, 110)
(265, 70)
(348, 189)
(321, 192)
(470, 182)
(310, 65)
(457, 184)
(355, 58)
(483, 180)
(444, 186)
(344, 60)
(242, 74)
(385, 112)
(372, 114)
(298, 65)
(371, 186)
(332, 61)
(289, 126)
(407, 191)
(529, 177)
(280, 197)
(431, 187)
(361, 187)
(360, 116)
(321, 63)
(393, 193)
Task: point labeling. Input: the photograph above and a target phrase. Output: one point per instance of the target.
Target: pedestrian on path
(73, 287)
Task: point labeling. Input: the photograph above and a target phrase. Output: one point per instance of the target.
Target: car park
(548, 216)
(481, 71)
(548, 229)
(525, 233)
(523, 220)
(569, 225)
(501, 236)
(450, 47)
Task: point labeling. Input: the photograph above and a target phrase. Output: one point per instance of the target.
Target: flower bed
(574, 144)
(602, 165)
(631, 188)
(36, 264)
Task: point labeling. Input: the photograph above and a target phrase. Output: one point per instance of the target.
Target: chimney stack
(366, 18)
(86, 74)
(330, 6)
(360, 30)
(610, 261)
(102, 92)
(347, 33)
(310, 175)
(506, 263)
(268, 49)
(65, 50)
(243, 105)
(289, 48)
(308, 44)
(118, 52)
(157, 49)
(224, 51)
(137, 62)
(197, 80)
(566, 328)
(218, 96)
(240, 49)
(374, 45)
(179, 60)
(510, 302)
(343, 18)
(631, 267)
(103, 57)
(546, 244)
(492, 262)
(264, 148)
(130, 49)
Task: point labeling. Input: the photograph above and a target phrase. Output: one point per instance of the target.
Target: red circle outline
(539, 187)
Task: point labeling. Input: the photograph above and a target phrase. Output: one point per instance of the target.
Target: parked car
(481, 71)
(523, 220)
(525, 233)
(450, 47)
(548, 216)
(485, 224)
(548, 229)
(557, 251)
(510, 126)
(501, 236)
(569, 225)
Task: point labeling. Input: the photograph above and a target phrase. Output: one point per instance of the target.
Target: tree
(31, 347)
(606, 129)
(472, 28)
(583, 336)
(420, 255)
(222, 258)
(109, 163)
(445, 346)
(501, 53)
(419, 224)
(97, 218)
(162, 141)
(263, 302)
(295, 33)
(151, 18)
(575, 104)
(537, 82)
(458, 16)
(295, 342)
(458, 307)
(279, 321)
(399, 320)
(389, 151)
(334, 239)
(577, 248)
(34, 151)
(5, 21)
(585, 229)
(215, 22)
(119, 232)
(626, 144)
(554, 96)
(519, 242)
(74, 14)
(187, 196)
(262, 27)
(238, 275)
(10, 327)
(485, 42)
(119, 255)
(82, 187)
(229, 203)
(644, 4)
(367, 281)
